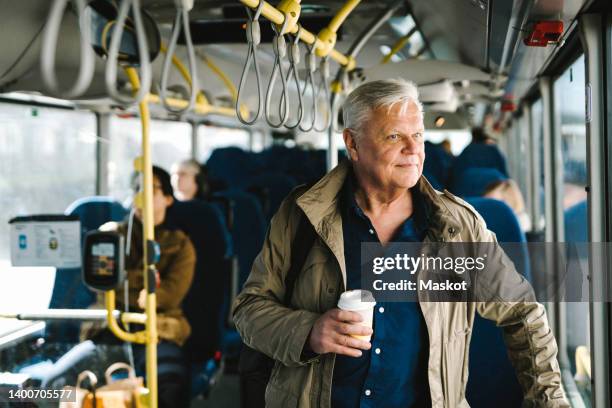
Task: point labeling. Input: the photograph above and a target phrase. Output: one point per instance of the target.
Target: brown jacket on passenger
(176, 267)
(281, 333)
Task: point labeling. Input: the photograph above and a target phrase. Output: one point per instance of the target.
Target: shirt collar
(350, 206)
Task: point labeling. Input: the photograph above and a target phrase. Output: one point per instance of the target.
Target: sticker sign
(46, 240)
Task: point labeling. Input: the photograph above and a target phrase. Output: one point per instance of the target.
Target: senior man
(420, 350)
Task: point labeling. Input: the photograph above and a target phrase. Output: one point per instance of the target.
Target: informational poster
(46, 240)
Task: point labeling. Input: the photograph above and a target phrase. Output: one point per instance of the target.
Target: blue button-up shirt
(393, 373)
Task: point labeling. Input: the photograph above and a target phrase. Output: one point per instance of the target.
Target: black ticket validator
(104, 260)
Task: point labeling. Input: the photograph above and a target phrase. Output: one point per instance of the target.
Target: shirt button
(381, 309)
(371, 231)
(368, 393)
(377, 351)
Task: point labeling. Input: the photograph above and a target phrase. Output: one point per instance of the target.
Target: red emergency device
(544, 33)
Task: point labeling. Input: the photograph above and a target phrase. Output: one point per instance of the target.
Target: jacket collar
(319, 203)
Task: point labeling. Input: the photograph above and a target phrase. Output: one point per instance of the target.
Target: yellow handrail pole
(328, 35)
(145, 166)
(198, 108)
(277, 17)
(342, 14)
(228, 84)
(222, 75)
(399, 44)
(182, 69)
(138, 337)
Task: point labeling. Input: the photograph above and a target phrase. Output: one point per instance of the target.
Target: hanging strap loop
(311, 67)
(294, 60)
(49, 45)
(253, 33)
(324, 88)
(280, 52)
(112, 61)
(181, 19)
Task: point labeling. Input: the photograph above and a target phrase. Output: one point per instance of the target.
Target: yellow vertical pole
(145, 166)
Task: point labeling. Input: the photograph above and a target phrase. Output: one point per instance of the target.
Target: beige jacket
(281, 333)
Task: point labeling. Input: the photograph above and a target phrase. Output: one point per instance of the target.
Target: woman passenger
(175, 270)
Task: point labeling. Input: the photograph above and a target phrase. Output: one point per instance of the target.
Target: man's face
(390, 148)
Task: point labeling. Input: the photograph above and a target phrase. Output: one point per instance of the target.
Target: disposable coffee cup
(362, 302)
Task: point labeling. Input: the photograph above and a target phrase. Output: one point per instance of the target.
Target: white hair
(384, 93)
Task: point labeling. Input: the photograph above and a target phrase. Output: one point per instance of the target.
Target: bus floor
(225, 394)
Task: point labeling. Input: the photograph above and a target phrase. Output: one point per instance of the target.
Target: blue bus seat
(69, 291)
(433, 180)
(275, 186)
(438, 163)
(248, 232)
(480, 155)
(248, 229)
(492, 381)
(230, 164)
(205, 305)
(575, 223)
(474, 181)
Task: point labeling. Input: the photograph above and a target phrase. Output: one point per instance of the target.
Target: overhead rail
(284, 19)
(49, 46)
(322, 42)
(181, 20)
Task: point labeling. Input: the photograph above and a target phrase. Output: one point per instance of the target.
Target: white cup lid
(357, 299)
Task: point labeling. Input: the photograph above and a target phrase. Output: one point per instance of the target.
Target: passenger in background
(480, 136)
(482, 152)
(190, 181)
(175, 273)
(508, 191)
(446, 145)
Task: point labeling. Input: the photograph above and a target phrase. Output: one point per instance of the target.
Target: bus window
(170, 143)
(213, 137)
(570, 120)
(458, 138)
(570, 117)
(537, 128)
(45, 166)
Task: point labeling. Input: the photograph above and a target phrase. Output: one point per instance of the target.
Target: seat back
(231, 165)
(276, 186)
(69, 291)
(575, 223)
(480, 155)
(204, 303)
(473, 182)
(249, 229)
(437, 164)
(492, 381)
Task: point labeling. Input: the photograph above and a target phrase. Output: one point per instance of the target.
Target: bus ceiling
(460, 53)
